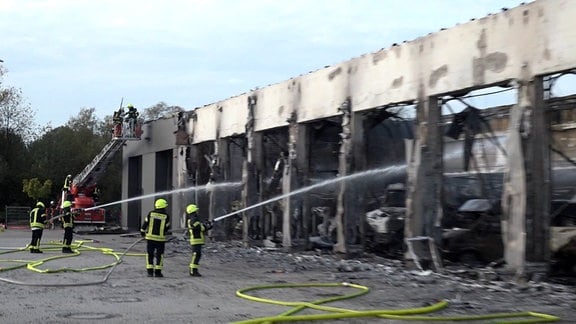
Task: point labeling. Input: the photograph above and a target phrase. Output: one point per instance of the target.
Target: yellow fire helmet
(191, 209)
(161, 203)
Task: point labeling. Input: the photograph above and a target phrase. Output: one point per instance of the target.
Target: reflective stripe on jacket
(37, 218)
(156, 225)
(196, 229)
(68, 219)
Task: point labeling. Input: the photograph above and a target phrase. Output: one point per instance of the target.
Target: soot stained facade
(329, 142)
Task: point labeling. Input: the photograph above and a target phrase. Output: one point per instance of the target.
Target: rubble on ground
(393, 272)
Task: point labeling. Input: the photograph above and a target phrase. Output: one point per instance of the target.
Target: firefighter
(37, 222)
(50, 213)
(117, 121)
(96, 194)
(155, 228)
(197, 230)
(131, 117)
(68, 224)
(67, 183)
(66, 188)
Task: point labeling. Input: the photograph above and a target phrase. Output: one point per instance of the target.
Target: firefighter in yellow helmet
(37, 222)
(155, 228)
(131, 118)
(197, 230)
(68, 224)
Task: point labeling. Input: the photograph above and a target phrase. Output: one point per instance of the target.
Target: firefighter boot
(67, 250)
(195, 273)
(150, 272)
(158, 273)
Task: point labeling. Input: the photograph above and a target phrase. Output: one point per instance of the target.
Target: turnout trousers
(155, 250)
(36, 237)
(196, 255)
(67, 237)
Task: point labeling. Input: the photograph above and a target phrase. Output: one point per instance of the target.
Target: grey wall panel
(532, 39)
(274, 106)
(233, 117)
(206, 128)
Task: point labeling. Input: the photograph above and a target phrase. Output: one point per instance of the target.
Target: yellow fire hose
(78, 247)
(410, 314)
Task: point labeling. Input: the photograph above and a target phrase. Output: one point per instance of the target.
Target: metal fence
(17, 216)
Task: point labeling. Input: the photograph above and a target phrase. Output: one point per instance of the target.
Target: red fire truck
(82, 191)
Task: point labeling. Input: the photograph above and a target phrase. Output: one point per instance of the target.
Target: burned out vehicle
(472, 232)
(475, 236)
(385, 225)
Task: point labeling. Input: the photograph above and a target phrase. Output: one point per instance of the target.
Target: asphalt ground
(84, 287)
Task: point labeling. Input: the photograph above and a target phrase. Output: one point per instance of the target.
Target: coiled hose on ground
(78, 247)
(411, 314)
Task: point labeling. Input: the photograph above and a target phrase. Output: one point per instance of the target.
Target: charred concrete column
(359, 163)
(539, 177)
(219, 172)
(192, 157)
(182, 142)
(345, 226)
(290, 182)
(215, 176)
(249, 172)
(181, 182)
(302, 166)
(425, 173)
(526, 194)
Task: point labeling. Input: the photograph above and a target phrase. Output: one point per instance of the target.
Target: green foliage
(16, 129)
(29, 153)
(14, 165)
(16, 116)
(161, 109)
(35, 189)
(86, 121)
(70, 150)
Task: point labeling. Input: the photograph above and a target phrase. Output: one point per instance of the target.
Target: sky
(66, 55)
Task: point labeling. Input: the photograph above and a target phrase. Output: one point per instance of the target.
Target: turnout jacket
(156, 225)
(68, 218)
(37, 217)
(197, 230)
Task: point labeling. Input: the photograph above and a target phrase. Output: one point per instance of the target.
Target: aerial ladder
(83, 191)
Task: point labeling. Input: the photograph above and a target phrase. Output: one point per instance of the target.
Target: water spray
(164, 193)
(395, 169)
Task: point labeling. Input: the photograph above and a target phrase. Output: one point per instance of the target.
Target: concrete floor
(129, 296)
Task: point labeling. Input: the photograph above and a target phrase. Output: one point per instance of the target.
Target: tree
(16, 116)
(14, 165)
(86, 120)
(161, 109)
(35, 189)
(71, 148)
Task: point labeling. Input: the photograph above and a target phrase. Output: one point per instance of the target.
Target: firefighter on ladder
(131, 117)
(66, 188)
(68, 224)
(118, 119)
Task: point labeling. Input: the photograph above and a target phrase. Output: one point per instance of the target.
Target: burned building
(310, 156)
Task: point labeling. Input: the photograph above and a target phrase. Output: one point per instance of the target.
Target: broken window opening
(470, 124)
(559, 85)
